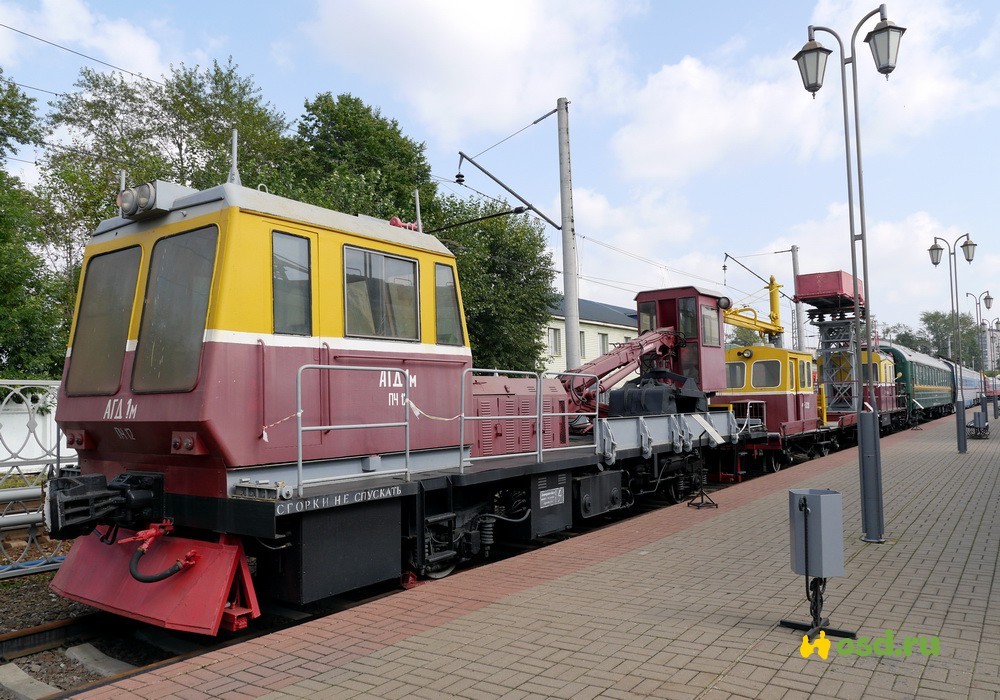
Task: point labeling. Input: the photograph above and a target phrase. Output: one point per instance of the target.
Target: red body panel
(787, 413)
(193, 600)
(248, 392)
(506, 398)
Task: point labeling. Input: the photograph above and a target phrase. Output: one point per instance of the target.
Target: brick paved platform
(678, 603)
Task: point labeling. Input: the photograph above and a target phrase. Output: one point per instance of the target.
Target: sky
(690, 132)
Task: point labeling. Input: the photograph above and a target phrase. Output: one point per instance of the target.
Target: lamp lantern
(812, 65)
(968, 249)
(884, 43)
(936, 250)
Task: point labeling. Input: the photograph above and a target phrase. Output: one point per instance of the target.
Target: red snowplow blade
(192, 600)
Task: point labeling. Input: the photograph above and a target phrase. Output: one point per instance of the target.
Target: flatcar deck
(675, 603)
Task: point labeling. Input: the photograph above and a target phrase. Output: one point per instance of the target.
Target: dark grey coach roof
(598, 312)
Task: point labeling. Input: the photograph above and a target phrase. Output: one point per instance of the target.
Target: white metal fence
(30, 452)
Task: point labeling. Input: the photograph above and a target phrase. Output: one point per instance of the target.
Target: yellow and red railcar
(272, 398)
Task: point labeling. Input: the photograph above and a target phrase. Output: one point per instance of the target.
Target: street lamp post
(884, 43)
(987, 301)
(992, 330)
(969, 251)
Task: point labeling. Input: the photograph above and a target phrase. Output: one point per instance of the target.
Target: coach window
(172, 331)
(95, 367)
(736, 375)
(766, 374)
(449, 322)
(381, 295)
(291, 284)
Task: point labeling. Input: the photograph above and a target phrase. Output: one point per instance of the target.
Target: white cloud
(71, 23)
(623, 249)
(903, 282)
(477, 66)
(689, 118)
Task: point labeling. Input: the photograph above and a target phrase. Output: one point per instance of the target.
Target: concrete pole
(571, 290)
(800, 310)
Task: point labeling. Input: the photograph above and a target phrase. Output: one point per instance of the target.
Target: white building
(601, 326)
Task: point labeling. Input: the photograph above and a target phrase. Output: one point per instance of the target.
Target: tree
(904, 335)
(351, 158)
(940, 329)
(32, 331)
(18, 123)
(738, 336)
(32, 342)
(178, 129)
(506, 277)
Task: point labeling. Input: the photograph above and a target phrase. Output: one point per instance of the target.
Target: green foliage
(351, 158)
(738, 336)
(902, 334)
(940, 331)
(178, 130)
(32, 331)
(18, 124)
(937, 336)
(506, 276)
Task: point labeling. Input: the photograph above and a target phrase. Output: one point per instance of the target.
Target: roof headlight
(128, 202)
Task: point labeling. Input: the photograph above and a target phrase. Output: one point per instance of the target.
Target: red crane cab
(696, 315)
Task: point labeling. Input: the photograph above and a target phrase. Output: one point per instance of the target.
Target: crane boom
(583, 384)
(746, 317)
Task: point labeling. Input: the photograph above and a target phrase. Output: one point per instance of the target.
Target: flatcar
(271, 399)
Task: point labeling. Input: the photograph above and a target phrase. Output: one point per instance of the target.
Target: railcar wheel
(670, 491)
(771, 462)
(439, 571)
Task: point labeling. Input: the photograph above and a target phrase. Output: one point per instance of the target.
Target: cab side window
(291, 284)
(380, 293)
(449, 322)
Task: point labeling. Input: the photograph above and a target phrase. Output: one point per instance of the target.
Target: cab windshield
(168, 353)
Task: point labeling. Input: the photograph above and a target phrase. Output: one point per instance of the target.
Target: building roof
(599, 312)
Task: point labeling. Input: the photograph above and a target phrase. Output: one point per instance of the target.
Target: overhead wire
(524, 128)
(82, 55)
(32, 87)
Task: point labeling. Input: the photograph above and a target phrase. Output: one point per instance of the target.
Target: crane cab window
(449, 321)
(736, 375)
(647, 316)
(805, 376)
(380, 294)
(710, 334)
(291, 284)
(95, 367)
(766, 374)
(168, 353)
(687, 319)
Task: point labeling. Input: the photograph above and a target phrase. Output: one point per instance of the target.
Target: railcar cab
(197, 309)
(696, 316)
(884, 382)
(774, 386)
